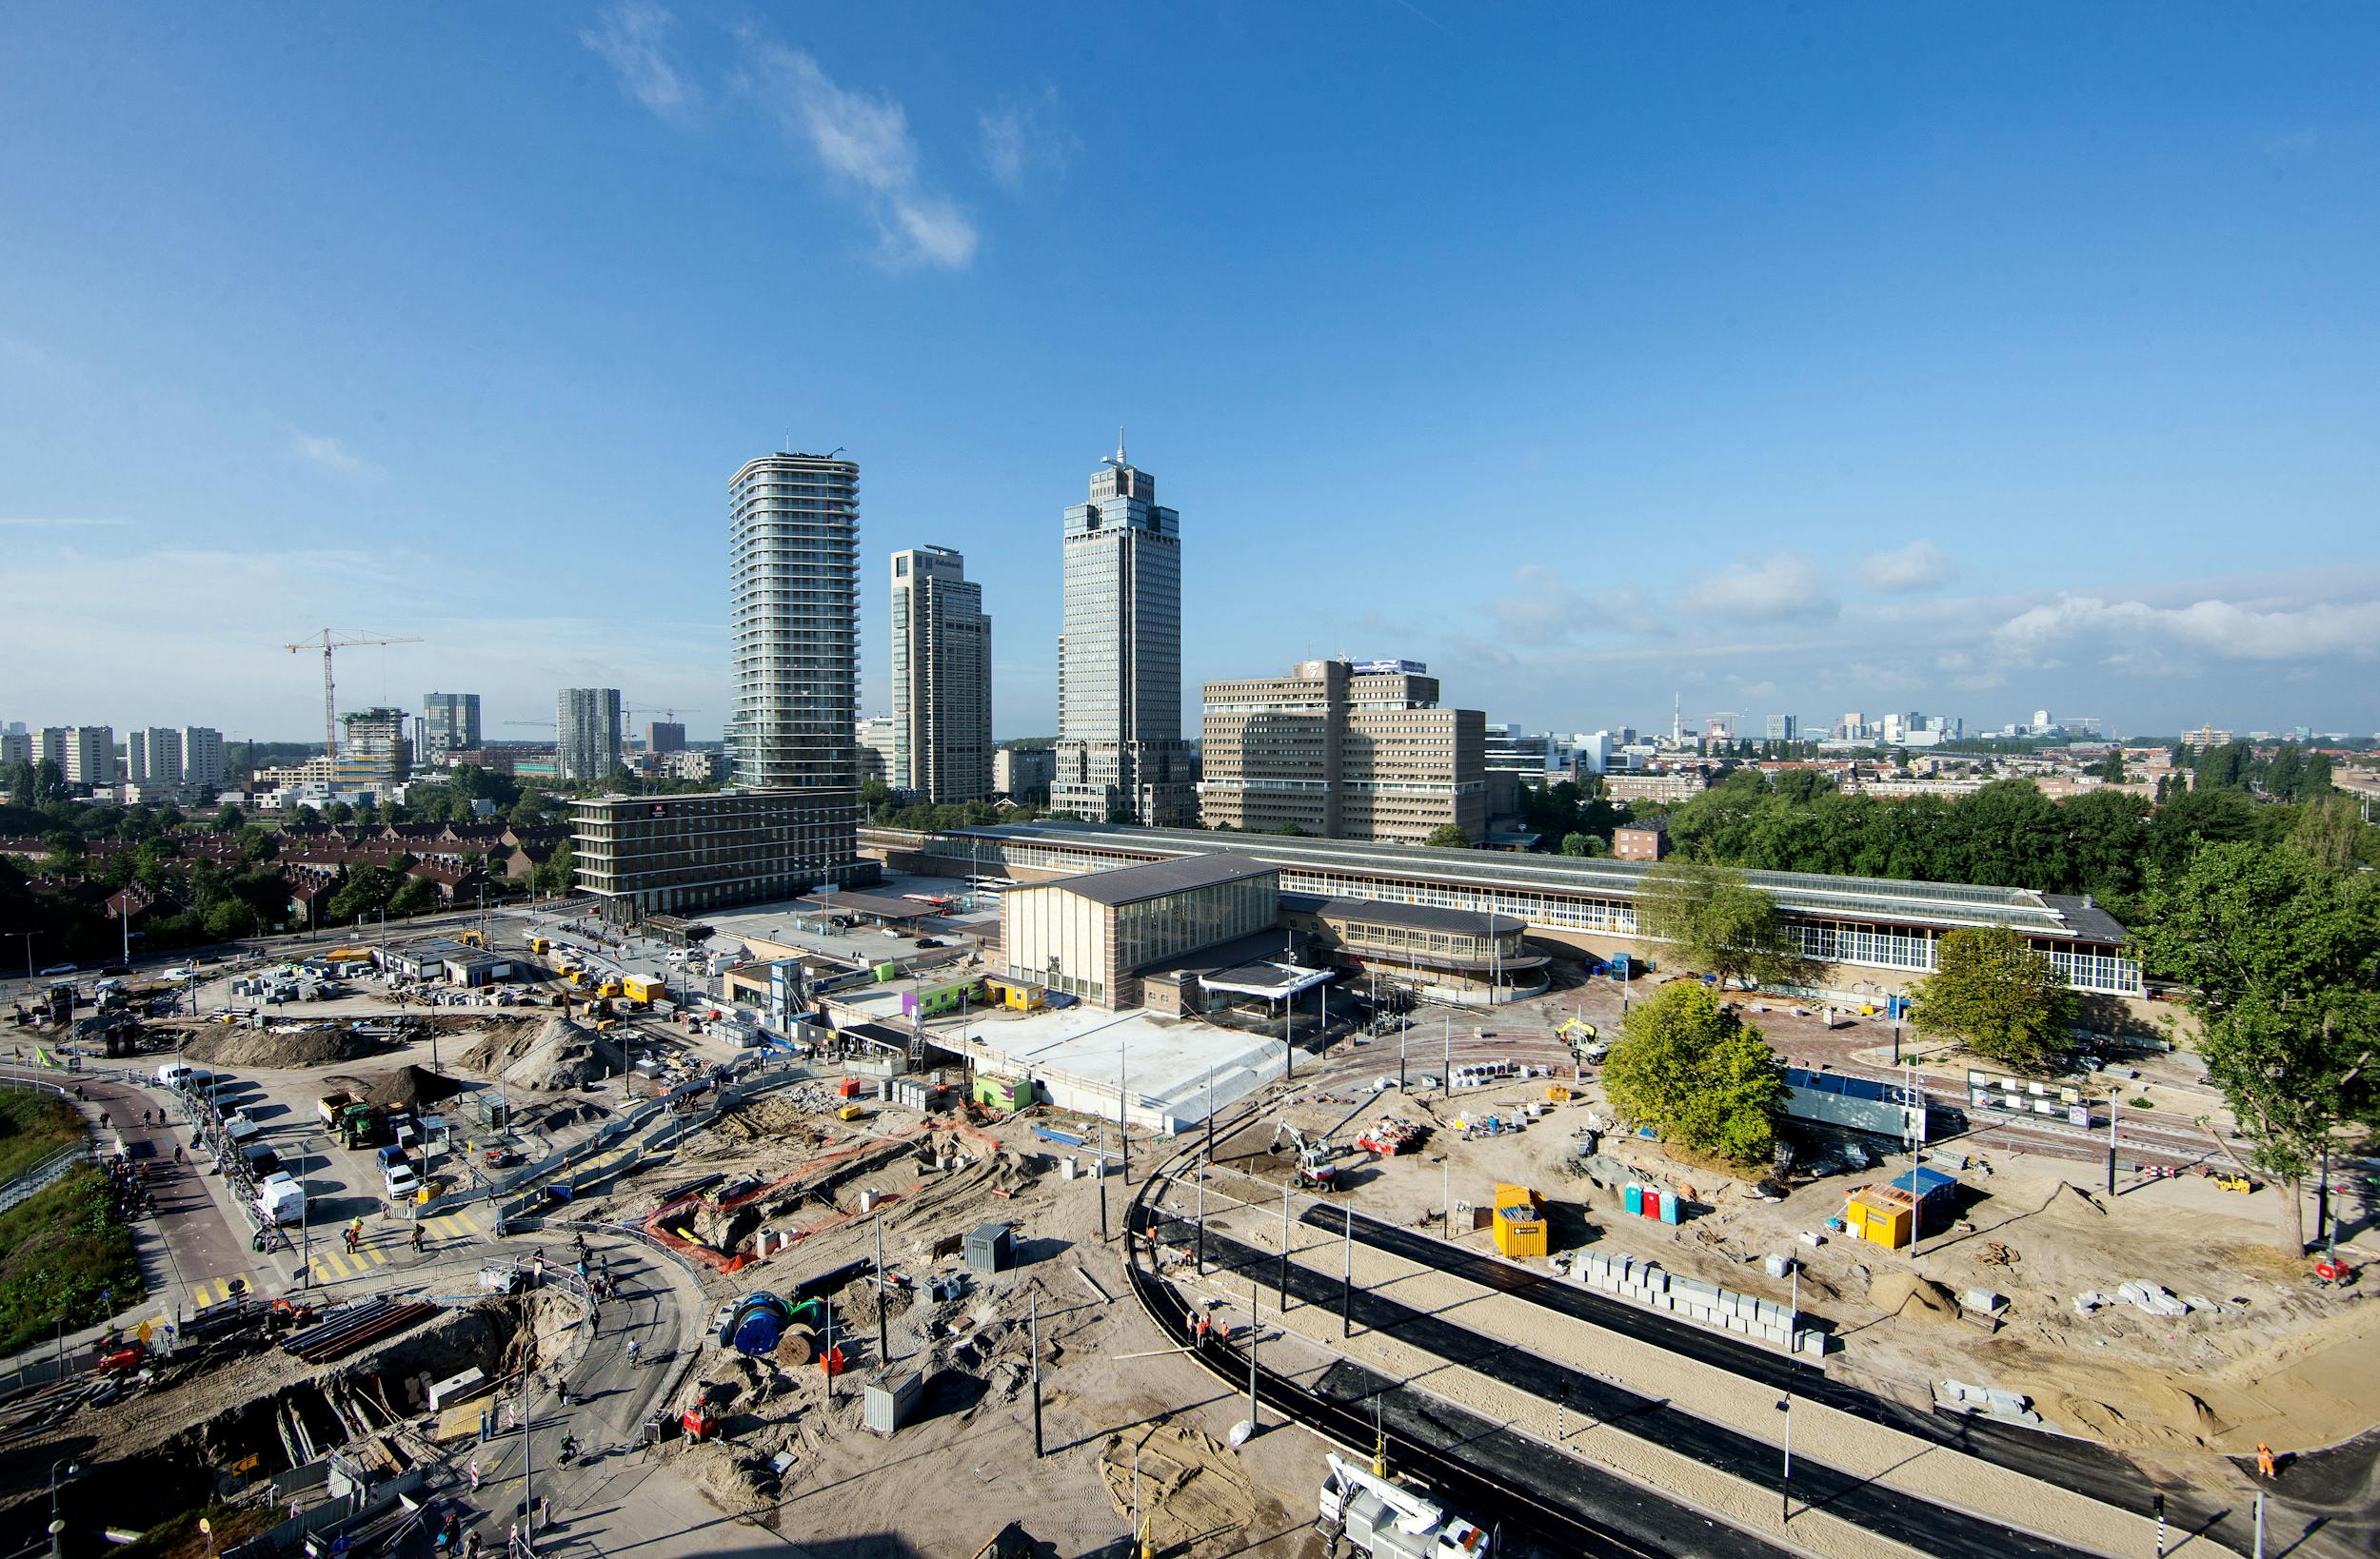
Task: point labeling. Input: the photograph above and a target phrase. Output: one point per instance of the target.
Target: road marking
(214, 1291)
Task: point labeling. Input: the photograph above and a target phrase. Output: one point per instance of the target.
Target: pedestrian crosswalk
(214, 1291)
(331, 1264)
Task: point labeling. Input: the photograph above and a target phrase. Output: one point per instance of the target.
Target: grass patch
(178, 1537)
(33, 1125)
(59, 1252)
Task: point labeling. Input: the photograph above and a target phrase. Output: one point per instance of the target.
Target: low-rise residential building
(1668, 785)
(1645, 838)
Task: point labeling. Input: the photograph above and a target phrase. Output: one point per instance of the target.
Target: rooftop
(1803, 893)
(1157, 879)
(1413, 917)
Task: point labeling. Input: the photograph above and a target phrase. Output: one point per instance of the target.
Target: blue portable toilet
(1634, 1194)
(1669, 1207)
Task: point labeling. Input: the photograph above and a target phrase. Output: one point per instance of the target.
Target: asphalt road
(1888, 1512)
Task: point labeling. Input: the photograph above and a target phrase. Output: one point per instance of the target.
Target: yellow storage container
(1881, 1222)
(1519, 1225)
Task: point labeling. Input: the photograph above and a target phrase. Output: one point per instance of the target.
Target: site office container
(1519, 1223)
(1881, 1217)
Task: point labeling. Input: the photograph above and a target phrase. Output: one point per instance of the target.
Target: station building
(1875, 934)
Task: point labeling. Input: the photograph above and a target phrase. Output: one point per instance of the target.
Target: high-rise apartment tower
(941, 679)
(449, 725)
(587, 734)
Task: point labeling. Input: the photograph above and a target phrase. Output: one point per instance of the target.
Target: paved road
(1890, 1513)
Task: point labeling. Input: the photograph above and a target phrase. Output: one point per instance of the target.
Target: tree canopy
(1697, 1073)
(2282, 953)
(1993, 993)
(1718, 923)
(1449, 837)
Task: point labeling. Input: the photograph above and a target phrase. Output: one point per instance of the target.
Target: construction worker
(2264, 1460)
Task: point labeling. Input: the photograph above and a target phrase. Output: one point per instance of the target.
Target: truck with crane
(1383, 1519)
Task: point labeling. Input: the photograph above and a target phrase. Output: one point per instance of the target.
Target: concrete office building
(16, 746)
(1526, 756)
(664, 736)
(670, 855)
(89, 753)
(1022, 773)
(449, 725)
(1784, 728)
(587, 734)
(941, 679)
(1120, 747)
(1341, 751)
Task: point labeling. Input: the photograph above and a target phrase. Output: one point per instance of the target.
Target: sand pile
(262, 1047)
(559, 1054)
(856, 1304)
(2073, 1207)
(1191, 1488)
(1914, 1299)
(408, 1087)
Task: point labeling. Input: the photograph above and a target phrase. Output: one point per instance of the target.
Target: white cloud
(1541, 608)
(322, 451)
(1778, 585)
(865, 140)
(2134, 630)
(631, 37)
(1020, 138)
(1920, 565)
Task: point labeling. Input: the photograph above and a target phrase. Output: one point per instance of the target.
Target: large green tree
(1993, 993)
(1718, 922)
(2282, 956)
(1449, 837)
(1697, 1073)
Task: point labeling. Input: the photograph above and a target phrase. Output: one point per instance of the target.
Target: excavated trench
(131, 1477)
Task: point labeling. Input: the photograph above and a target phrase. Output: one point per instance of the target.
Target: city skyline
(1902, 402)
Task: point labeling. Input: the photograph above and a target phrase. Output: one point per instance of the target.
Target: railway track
(1520, 1485)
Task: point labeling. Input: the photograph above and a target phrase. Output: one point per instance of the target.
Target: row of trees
(2008, 833)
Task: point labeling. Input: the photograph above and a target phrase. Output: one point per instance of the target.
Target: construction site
(657, 1278)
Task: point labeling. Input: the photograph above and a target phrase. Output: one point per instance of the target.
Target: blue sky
(1794, 360)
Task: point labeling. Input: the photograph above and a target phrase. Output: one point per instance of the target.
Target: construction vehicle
(540, 946)
(609, 989)
(330, 1105)
(358, 1126)
(1383, 1519)
(2240, 1183)
(1313, 1170)
(472, 938)
(851, 1112)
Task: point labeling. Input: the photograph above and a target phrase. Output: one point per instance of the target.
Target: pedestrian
(563, 1387)
(633, 1352)
(103, 1120)
(416, 1240)
(2264, 1460)
(545, 1513)
(512, 1539)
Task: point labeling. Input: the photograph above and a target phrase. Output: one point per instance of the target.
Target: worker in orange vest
(2264, 1459)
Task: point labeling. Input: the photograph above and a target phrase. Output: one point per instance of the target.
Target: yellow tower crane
(331, 701)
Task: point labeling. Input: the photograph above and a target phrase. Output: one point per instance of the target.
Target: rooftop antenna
(1117, 460)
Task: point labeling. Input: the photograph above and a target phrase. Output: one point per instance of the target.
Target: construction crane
(331, 701)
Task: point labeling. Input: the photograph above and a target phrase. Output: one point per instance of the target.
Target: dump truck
(1382, 1518)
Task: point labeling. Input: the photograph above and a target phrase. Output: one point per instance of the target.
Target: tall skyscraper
(793, 593)
(942, 678)
(1119, 748)
(587, 732)
(449, 725)
(664, 736)
(202, 758)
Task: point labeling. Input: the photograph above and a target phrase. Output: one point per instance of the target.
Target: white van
(280, 1198)
(400, 1182)
(172, 1074)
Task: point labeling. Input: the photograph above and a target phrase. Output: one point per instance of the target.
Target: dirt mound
(408, 1086)
(2166, 1415)
(857, 1303)
(557, 1055)
(1190, 1486)
(1914, 1299)
(2074, 1206)
(262, 1047)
